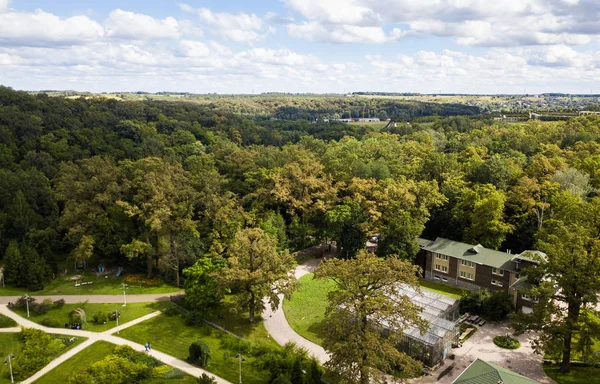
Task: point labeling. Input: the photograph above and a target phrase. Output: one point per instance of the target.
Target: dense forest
(158, 185)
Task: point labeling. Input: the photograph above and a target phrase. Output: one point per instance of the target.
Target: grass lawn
(226, 316)
(169, 334)
(12, 343)
(84, 359)
(9, 343)
(305, 311)
(61, 315)
(578, 375)
(444, 289)
(101, 285)
(7, 322)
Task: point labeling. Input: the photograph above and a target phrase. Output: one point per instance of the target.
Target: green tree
(346, 224)
(201, 289)
(256, 270)
(368, 289)
(569, 284)
(14, 266)
(481, 209)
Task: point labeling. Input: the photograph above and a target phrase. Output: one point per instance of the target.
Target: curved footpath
(105, 336)
(278, 327)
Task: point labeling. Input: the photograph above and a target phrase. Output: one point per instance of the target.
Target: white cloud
(135, 26)
(343, 33)
(42, 28)
(4, 5)
(471, 22)
(241, 27)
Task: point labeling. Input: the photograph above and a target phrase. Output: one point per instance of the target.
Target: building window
(517, 276)
(470, 276)
(463, 274)
(470, 264)
(496, 283)
(441, 268)
(443, 257)
(498, 271)
(466, 275)
(463, 262)
(529, 298)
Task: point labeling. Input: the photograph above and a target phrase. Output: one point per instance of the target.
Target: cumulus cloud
(42, 28)
(343, 33)
(499, 23)
(241, 27)
(135, 26)
(4, 5)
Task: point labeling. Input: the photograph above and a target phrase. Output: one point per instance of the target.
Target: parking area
(481, 345)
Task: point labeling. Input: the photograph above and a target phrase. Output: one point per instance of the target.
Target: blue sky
(466, 46)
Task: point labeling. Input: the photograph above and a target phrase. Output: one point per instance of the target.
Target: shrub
(494, 306)
(199, 354)
(59, 303)
(100, 317)
(205, 379)
(193, 319)
(43, 307)
(50, 322)
(21, 303)
(506, 342)
(171, 311)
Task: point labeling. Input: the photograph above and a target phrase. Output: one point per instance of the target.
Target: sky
(301, 46)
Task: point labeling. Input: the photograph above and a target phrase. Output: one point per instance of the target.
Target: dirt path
(278, 327)
(105, 336)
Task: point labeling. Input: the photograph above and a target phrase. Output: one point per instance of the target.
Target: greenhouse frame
(441, 312)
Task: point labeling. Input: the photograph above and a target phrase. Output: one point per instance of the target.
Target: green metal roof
(475, 253)
(424, 242)
(482, 372)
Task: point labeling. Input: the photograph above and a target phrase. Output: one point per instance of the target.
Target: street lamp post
(26, 296)
(117, 318)
(124, 287)
(240, 359)
(8, 359)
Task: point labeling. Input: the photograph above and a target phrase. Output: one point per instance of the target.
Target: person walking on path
(147, 346)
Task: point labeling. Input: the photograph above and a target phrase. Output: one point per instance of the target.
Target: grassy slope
(130, 312)
(578, 375)
(12, 343)
(305, 311)
(7, 322)
(172, 336)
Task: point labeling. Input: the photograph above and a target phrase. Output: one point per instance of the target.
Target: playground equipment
(119, 271)
(101, 268)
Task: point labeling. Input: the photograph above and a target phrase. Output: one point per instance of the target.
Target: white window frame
(463, 262)
(525, 296)
(441, 268)
(470, 276)
(498, 271)
(497, 283)
(471, 264)
(463, 274)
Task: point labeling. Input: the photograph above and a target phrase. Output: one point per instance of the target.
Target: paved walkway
(278, 327)
(481, 345)
(101, 299)
(105, 336)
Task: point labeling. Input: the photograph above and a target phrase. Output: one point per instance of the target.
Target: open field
(169, 334)
(60, 316)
